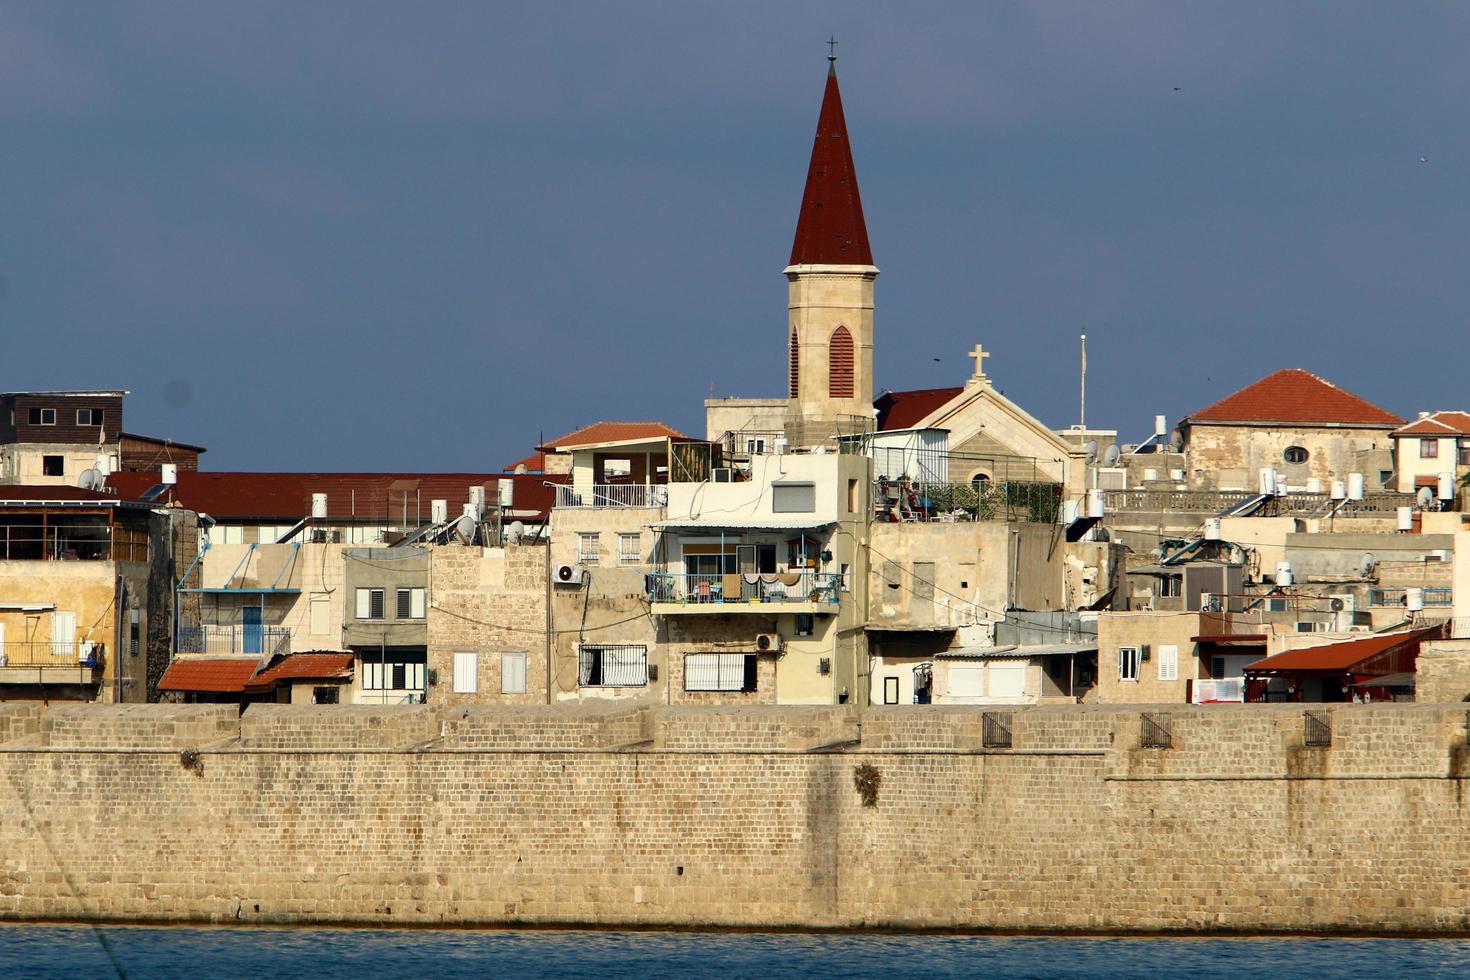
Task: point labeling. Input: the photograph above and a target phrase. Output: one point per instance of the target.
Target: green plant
(867, 779)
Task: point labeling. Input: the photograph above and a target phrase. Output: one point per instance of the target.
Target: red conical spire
(831, 230)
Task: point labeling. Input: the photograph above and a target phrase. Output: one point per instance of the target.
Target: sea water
(74, 952)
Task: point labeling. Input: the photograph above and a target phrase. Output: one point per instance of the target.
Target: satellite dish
(520, 469)
(1367, 564)
(465, 527)
(1091, 449)
(88, 479)
(1112, 455)
(1426, 497)
(516, 530)
(1176, 441)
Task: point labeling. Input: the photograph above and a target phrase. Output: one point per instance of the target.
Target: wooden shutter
(839, 364)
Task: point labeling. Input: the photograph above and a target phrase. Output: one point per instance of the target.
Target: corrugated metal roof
(1339, 656)
(215, 676)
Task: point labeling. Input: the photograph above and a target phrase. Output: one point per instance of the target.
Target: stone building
(1291, 421)
(1433, 446)
(487, 624)
(52, 437)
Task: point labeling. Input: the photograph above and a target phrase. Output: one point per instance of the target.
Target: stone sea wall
(707, 816)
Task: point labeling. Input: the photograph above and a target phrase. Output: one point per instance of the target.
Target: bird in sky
(1423, 158)
(1178, 88)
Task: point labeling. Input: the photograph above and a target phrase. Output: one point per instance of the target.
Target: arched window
(979, 482)
(793, 373)
(839, 364)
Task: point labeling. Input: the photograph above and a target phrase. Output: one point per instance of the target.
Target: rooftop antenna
(1082, 407)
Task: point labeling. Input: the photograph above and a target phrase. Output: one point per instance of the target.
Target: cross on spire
(832, 48)
(979, 354)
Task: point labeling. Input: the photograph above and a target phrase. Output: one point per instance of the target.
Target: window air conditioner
(567, 575)
(768, 642)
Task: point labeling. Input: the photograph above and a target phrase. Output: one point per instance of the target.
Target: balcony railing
(1399, 597)
(258, 640)
(1222, 689)
(1213, 502)
(907, 500)
(819, 587)
(613, 495)
(52, 653)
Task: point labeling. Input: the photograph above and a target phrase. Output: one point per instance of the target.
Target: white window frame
(513, 672)
(715, 671)
(1129, 661)
(1168, 662)
(589, 547)
(94, 416)
(627, 556)
(793, 498)
(365, 596)
(42, 416)
(415, 597)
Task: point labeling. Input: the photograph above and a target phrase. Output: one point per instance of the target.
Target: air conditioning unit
(768, 642)
(567, 575)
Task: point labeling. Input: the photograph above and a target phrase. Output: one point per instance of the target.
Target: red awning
(222, 676)
(1343, 656)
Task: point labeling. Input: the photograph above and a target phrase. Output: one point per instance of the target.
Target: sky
(358, 235)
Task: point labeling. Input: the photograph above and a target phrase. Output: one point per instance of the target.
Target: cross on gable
(979, 354)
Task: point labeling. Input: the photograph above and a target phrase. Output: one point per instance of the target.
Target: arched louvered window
(793, 373)
(839, 366)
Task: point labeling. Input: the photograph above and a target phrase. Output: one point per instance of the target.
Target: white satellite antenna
(1426, 497)
(88, 479)
(1367, 564)
(1112, 455)
(1176, 441)
(515, 531)
(465, 527)
(1091, 449)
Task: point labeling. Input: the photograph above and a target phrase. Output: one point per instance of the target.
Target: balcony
(247, 639)
(50, 662)
(673, 593)
(613, 495)
(1399, 597)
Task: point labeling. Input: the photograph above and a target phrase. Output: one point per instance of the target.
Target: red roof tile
(599, 432)
(831, 229)
(286, 497)
(305, 666)
(1438, 424)
(1295, 395)
(1341, 656)
(904, 409)
(220, 676)
(534, 463)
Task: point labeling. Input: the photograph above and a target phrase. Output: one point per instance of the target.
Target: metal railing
(735, 587)
(1225, 689)
(1398, 597)
(1155, 733)
(995, 731)
(1214, 502)
(1316, 730)
(613, 495)
(905, 500)
(28, 543)
(50, 653)
(261, 640)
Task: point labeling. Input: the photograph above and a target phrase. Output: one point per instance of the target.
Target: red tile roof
(1341, 656)
(27, 492)
(831, 229)
(1295, 395)
(219, 676)
(599, 432)
(904, 409)
(534, 463)
(1438, 424)
(305, 666)
(286, 497)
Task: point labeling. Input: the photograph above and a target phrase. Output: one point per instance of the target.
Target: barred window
(612, 665)
(719, 672)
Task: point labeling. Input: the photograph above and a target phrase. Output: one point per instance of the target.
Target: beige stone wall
(1232, 456)
(1442, 673)
(1154, 629)
(487, 601)
(820, 299)
(740, 817)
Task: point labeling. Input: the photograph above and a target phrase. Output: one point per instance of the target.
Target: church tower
(830, 291)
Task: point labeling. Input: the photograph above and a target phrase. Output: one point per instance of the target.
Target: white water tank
(506, 491)
(318, 505)
(1446, 486)
(168, 474)
(1414, 599)
(1094, 503)
(1281, 486)
(477, 496)
(1406, 518)
(1314, 484)
(1070, 510)
(1339, 490)
(780, 444)
(438, 511)
(1212, 529)
(1268, 481)
(1161, 425)
(1355, 486)
(1283, 573)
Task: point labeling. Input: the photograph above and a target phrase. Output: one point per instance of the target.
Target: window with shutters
(393, 675)
(369, 603)
(410, 603)
(513, 672)
(839, 364)
(793, 498)
(1128, 658)
(588, 548)
(629, 548)
(719, 672)
(793, 373)
(466, 673)
(1168, 663)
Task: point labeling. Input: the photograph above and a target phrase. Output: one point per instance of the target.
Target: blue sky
(388, 236)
